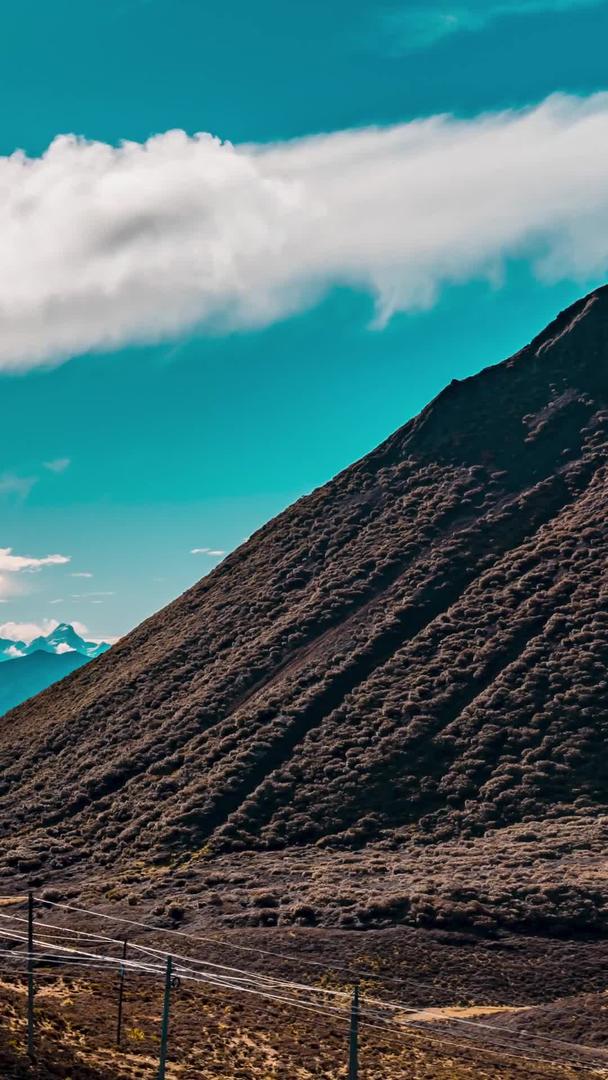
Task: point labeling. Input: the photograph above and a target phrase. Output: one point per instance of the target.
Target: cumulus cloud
(213, 552)
(103, 246)
(415, 26)
(27, 631)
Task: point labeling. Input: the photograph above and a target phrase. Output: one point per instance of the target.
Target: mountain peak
(60, 639)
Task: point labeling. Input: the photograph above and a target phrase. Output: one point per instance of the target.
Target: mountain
(50, 658)
(26, 676)
(10, 649)
(59, 640)
(390, 703)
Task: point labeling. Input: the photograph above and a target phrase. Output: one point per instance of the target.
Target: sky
(241, 244)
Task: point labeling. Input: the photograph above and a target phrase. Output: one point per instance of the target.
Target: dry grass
(211, 1040)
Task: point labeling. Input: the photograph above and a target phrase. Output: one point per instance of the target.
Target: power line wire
(261, 985)
(393, 1005)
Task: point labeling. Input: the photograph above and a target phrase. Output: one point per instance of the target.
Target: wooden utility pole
(353, 1047)
(121, 990)
(164, 1033)
(30, 975)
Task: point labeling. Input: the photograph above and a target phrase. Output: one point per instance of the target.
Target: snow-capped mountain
(37, 664)
(63, 639)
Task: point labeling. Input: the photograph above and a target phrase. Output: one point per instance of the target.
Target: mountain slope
(415, 654)
(26, 676)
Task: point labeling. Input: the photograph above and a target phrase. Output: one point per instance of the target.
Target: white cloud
(104, 246)
(63, 648)
(212, 552)
(27, 631)
(14, 652)
(81, 574)
(417, 25)
(59, 465)
(16, 631)
(12, 564)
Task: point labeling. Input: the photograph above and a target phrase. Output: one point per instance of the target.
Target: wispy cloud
(20, 486)
(12, 566)
(59, 465)
(418, 25)
(212, 552)
(90, 595)
(81, 574)
(12, 483)
(105, 245)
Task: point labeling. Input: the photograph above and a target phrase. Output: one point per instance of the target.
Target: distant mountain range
(62, 639)
(26, 669)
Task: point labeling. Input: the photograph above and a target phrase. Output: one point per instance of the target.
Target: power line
(262, 986)
(144, 948)
(292, 958)
(387, 1004)
(574, 1066)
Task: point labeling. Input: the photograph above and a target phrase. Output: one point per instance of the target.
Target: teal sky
(195, 441)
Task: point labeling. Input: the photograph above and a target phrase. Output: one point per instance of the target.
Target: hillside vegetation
(406, 669)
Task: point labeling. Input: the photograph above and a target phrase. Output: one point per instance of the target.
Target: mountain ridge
(401, 658)
(26, 676)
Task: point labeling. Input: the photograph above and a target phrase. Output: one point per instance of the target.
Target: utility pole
(353, 1047)
(121, 990)
(30, 975)
(164, 1034)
